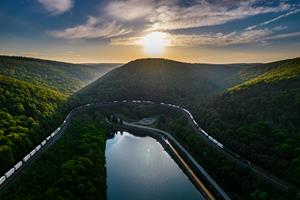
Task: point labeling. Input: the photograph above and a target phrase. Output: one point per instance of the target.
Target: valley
(150, 100)
(200, 105)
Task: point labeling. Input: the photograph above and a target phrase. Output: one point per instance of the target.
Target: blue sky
(215, 31)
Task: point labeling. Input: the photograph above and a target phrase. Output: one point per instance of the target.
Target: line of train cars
(17, 166)
(190, 115)
(196, 124)
(220, 145)
(217, 143)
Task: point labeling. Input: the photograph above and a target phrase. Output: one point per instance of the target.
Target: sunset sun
(154, 43)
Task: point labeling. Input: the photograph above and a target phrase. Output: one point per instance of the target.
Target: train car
(203, 131)
(185, 110)
(58, 129)
(124, 101)
(48, 138)
(32, 152)
(220, 145)
(38, 147)
(53, 134)
(44, 142)
(2, 180)
(10, 172)
(26, 158)
(68, 116)
(210, 138)
(115, 101)
(18, 165)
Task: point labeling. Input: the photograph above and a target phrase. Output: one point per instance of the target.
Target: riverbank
(167, 141)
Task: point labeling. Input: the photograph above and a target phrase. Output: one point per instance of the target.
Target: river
(138, 168)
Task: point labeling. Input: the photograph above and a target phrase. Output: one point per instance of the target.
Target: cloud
(274, 19)
(206, 14)
(280, 28)
(209, 39)
(56, 7)
(284, 35)
(220, 39)
(130, 9)
(260, 36)
(95, 27)
(165, 15)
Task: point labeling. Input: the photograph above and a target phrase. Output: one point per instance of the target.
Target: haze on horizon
(209, 31)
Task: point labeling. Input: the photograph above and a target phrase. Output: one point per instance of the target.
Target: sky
(114, 31)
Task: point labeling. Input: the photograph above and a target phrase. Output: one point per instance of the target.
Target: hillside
(268, 73)
(260, 117)
(27, 113)
(64, 77)
(73, 168)
(33, 100)
(162, 80)
(253, 109)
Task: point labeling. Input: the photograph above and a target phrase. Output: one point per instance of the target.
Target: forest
(73, 168)
(64, 77)
(33, 101)
(162, 80)
(260, 119)
(24, 110)
(238, 181)
(253, 109)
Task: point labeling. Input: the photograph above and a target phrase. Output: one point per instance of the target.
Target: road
(225, 151)
(190, 157)
(191, 172)
(228, 153)
(240, 160)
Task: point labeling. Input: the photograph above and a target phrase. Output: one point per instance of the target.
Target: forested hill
(260, 117)
(164, 80)
(27, 114)
(254, 109)
(64, 77)
(33, 98)
(269, 72)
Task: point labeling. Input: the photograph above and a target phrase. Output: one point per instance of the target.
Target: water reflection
(139, 168)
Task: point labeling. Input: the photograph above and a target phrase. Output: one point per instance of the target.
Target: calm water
(138, 168)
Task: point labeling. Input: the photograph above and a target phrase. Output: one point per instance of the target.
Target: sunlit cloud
(171, 15)
(209, 39)
(206, 14)
(56, 7)
(130, 9)
(220, 39)
(260, 36)
(95, 27)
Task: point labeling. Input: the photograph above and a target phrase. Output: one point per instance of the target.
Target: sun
(154, 43)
